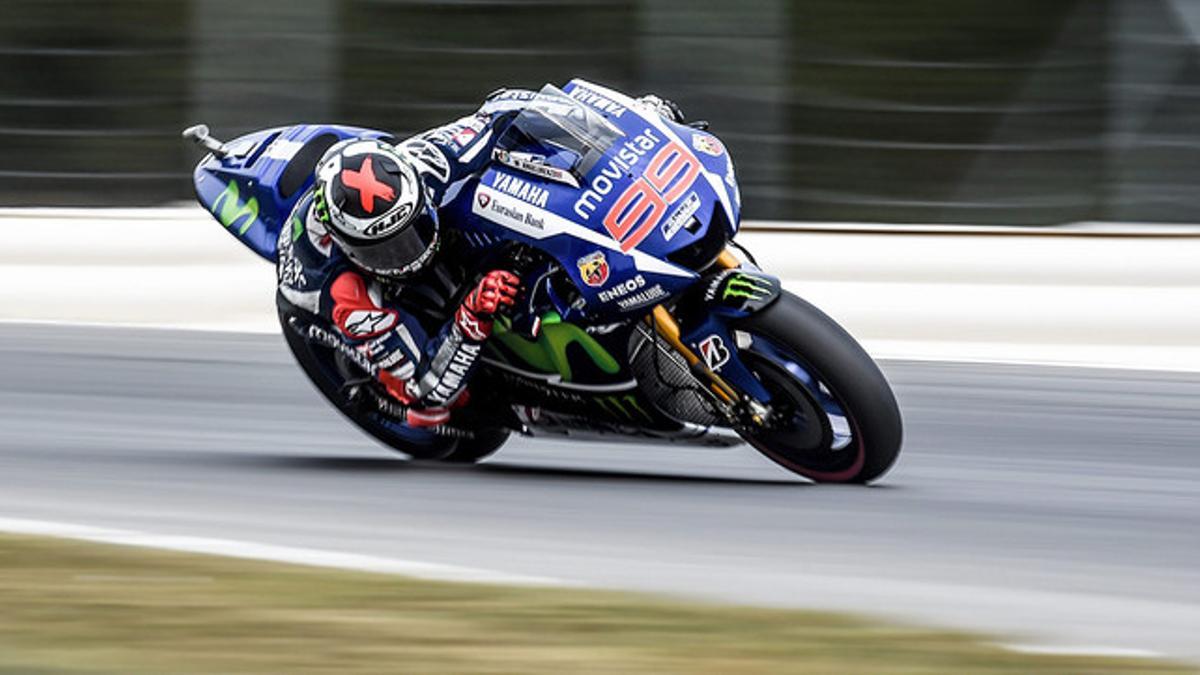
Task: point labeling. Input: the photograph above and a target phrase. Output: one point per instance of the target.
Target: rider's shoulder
(505, 99)
(510, 94)
(306, 236)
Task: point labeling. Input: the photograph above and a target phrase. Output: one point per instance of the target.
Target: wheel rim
(810, 430)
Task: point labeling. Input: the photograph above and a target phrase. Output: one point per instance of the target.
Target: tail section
(251, 184)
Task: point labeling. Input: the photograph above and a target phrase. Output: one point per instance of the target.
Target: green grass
(70, 607)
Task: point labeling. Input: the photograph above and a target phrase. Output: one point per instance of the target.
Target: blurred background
(941, 111)
(146, 393)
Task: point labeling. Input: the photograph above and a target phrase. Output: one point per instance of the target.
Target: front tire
(792, 339)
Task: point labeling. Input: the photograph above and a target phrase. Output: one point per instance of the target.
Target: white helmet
(376, 207)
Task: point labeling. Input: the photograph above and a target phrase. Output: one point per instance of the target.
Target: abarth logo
(709, 145)
(594, 269)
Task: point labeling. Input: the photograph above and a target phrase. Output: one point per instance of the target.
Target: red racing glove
(496, 291)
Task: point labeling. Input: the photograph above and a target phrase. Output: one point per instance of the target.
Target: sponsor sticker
(707, 144)
(714, 352)
(641, 207)
(731, 181)
(465, 136)
(595, 100)
(521, 189)
(715, 285)
(746, 287)
(509, 212)
(283, 150)
(632, 293)
(461, 132)
(681, 216)
(627, 155)
(389, 223)
(643, 298)
(736, 285)
(623, 288)
(594, 269)
(534, 165)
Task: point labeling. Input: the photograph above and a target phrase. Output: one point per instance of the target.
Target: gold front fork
(666, 326)
(727, 260)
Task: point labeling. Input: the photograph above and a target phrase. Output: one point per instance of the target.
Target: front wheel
(833, 415)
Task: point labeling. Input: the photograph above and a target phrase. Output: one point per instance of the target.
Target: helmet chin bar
(418, 264)
(405, 253)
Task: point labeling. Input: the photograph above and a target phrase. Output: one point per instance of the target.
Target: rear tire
(320, 365)
(470, 450)
(835, 359)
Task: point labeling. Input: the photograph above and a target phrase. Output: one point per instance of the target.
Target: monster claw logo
(624, 408)
(320, 206)
(745, 286)
(594, 269)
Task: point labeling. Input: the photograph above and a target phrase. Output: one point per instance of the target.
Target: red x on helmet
(377, 207)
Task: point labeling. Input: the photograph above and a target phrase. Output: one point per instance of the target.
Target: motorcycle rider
(367, 256)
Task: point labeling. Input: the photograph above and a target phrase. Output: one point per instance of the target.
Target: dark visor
(396, 254)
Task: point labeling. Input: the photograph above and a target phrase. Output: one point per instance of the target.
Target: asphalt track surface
(1043, 504)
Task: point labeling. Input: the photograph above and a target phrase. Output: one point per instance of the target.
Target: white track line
(283, 554)
(1082, 650)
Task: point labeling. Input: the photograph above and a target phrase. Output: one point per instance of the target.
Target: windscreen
(564, 132)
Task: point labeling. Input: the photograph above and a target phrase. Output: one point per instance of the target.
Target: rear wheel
(833, 415)
(470, 450)
(329, 372)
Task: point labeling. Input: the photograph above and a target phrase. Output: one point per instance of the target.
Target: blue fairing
(651, 207)
(252, 191)
(604, 220)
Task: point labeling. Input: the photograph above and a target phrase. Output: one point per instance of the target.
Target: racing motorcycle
(639, 321)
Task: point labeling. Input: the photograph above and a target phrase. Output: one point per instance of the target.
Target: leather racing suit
(407, 335)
